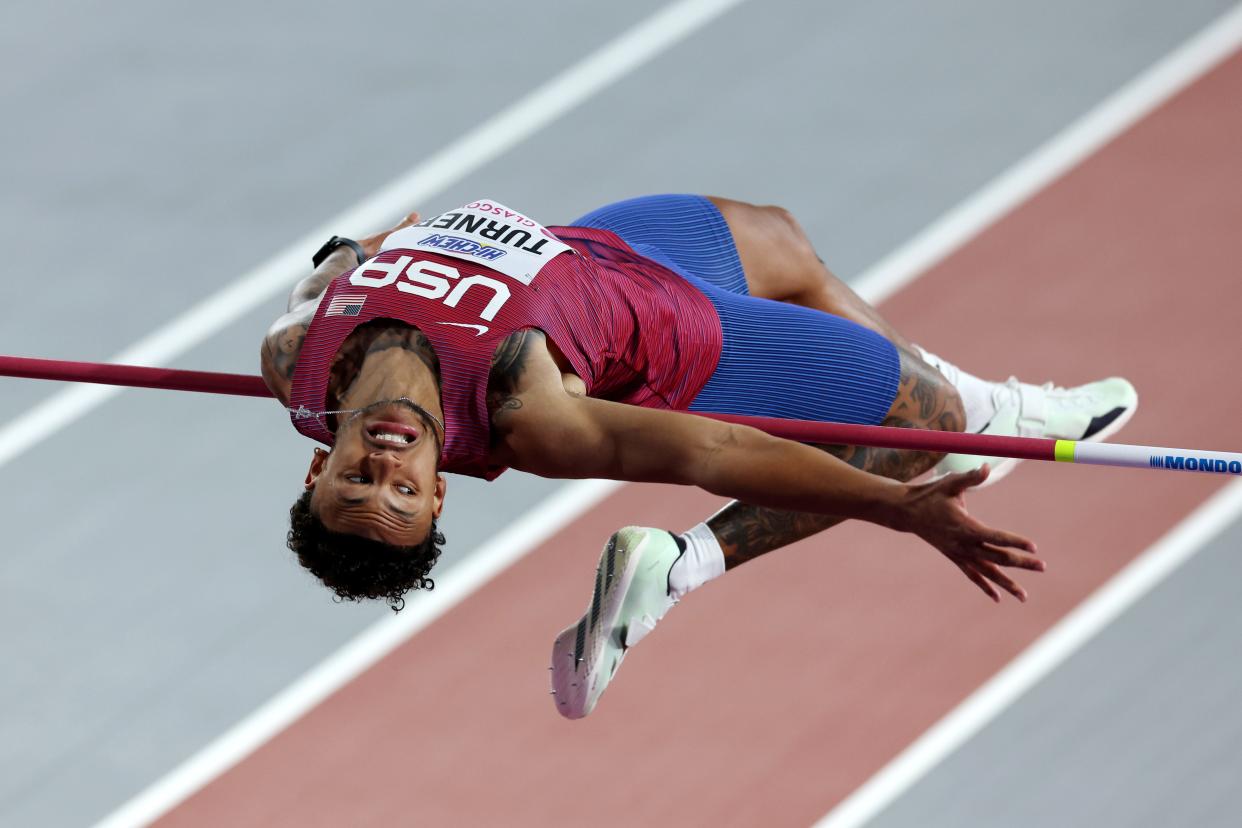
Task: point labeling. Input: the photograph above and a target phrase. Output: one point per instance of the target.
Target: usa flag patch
(346, 305)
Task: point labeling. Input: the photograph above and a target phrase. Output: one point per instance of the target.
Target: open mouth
(389, 433)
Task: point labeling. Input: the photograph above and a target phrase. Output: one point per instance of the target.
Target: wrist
(890, 507)
(338, 246)
(342, 259)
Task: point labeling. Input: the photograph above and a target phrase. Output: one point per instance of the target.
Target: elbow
(708, 461)
(277, 384)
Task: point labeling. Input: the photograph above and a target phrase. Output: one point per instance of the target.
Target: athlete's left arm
(542, 428)
(541, 425)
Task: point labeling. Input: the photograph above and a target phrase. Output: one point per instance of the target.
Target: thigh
(781, 263)
(782, 360)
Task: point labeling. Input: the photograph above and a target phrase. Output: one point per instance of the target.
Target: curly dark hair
(357, 568)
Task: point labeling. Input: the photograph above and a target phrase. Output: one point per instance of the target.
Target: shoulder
(278, 355)
(527, 387)
(520, 364)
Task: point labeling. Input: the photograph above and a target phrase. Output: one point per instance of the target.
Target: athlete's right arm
(282, 345)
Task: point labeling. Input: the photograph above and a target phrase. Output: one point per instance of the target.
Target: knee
(785, 229)
(925, 399)
(950, 417)
(766, 224)
(953, 415)
(802, 264)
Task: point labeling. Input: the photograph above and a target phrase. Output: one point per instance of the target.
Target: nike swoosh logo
(479, 329)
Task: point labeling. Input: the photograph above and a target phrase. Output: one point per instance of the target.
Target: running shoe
(1092, 412)
(630, 597)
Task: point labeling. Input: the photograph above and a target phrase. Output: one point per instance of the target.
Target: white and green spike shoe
(630, 597)
(1092, 412)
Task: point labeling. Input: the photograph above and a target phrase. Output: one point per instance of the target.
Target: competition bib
(487, 233)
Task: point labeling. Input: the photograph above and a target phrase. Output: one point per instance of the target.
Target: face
(380, 479)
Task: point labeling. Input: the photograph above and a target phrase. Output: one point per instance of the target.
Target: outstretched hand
(371, 244)
(937, 513)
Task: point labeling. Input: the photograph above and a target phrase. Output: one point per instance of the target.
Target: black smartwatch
(332, 244)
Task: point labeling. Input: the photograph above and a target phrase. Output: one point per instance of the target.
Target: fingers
(1007, 557)
(412, 218)
(1002, 538)
(999, 537)
(371, 244)
(960, 482)
(978, 580)
(985, 565)
(997, 575)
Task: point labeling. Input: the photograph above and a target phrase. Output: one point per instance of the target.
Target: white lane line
(485, 143)
(1138, 98)
(1082, 624)
(358, 655)
(1101, 124)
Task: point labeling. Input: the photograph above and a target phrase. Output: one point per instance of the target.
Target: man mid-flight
(480, 340)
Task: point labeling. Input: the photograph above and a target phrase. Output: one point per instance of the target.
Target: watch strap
(332, 244)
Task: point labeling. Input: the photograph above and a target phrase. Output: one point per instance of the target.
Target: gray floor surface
(150, 153)
(1138, 728)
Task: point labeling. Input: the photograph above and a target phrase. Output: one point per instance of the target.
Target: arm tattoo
(924, 400)
(283, 348)
(279, 354)
(338, 261)
(508, 364)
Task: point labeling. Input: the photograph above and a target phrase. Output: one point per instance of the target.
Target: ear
(437, 502)
(318, 460)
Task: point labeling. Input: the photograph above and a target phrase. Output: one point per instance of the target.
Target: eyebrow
(358, 501)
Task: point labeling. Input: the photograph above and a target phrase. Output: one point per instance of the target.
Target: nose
(378, 462)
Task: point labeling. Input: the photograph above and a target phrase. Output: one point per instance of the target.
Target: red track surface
(774, 692)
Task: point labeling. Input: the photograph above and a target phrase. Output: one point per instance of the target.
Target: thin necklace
(304, 413)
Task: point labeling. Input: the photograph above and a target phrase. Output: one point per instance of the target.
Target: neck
(392, 374)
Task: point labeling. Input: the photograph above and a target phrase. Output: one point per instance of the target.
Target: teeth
(399, 439)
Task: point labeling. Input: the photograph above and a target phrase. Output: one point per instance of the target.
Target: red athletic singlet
(634, 331)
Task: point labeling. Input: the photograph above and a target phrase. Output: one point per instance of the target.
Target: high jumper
(479, 340)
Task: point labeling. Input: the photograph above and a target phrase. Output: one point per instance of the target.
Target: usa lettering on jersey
(432, 280)
(484, 232)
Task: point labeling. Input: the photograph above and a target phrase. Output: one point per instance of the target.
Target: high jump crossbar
(804, 431)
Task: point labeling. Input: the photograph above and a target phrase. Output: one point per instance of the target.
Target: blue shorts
(778, 360)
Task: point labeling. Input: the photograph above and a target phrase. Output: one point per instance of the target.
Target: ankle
(701, 560)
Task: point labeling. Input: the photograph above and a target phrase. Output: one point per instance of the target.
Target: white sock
(976, 394)
(702, 561)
